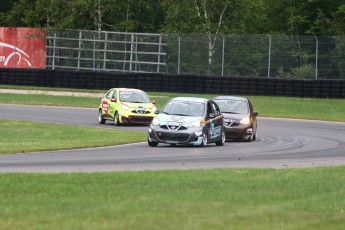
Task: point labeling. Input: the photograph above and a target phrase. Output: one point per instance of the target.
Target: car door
(105, 103)
(113, 103)
(215, 120)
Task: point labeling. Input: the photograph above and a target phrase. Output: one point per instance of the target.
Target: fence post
(269, 56)
(178, 54)
(136, 53)
(223, 55)
(54, 50)
(131, 52)
(94, 53)
(79, 50)
(316, 56)
(159, 53)
(105, 50)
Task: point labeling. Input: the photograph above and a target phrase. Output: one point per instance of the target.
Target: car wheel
(116, 119)
(250, 138)
(101, 119)
(152, 143)
(222, 139)
(255, 135)
(204, 139)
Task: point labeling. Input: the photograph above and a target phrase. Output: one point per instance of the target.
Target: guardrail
(175, 83)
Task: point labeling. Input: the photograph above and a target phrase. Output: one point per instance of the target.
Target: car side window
(250, 106)
(209, 108)
(114, 95)
(109, 94)
(215, 108)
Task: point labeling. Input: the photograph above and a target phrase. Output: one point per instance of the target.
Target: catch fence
(232, 55)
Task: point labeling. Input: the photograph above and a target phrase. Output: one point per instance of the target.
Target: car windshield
(134, 97)
(184, 108)
(232, 106)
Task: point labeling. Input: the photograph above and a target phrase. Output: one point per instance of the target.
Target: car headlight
(124, 107)
(245, 121)
(195, 124)
(155, 121)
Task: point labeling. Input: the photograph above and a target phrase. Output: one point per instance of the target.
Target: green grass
(288, 107)
(24, 136)
(33, 99)
(243, 199)
(283, 107)
(196, 199)
(50, 89)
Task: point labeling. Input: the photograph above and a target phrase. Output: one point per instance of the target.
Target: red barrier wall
(22, 47)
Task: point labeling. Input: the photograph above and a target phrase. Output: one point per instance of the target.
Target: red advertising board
(22, 47)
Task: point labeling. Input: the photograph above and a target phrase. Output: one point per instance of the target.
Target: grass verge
(24, 136)
(282, 107)
(197, 199)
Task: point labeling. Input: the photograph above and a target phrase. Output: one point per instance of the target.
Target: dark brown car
(239, 117)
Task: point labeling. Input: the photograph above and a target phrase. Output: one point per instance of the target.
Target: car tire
(255, 135)
(204, 139)
(116, 119)
(101, 119)
(250, 138)
(152, 143)
(222, 139)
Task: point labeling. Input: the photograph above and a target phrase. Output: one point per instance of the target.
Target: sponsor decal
(22, 48)
(174, 125)
(214, 131)
(17, 55)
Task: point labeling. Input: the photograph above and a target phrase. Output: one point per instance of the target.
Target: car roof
(194, 99)
(237, 98)
(127, 89)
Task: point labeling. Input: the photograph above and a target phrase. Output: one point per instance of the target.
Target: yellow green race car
(126, 106)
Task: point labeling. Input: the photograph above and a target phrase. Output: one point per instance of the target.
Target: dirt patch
(54, 93)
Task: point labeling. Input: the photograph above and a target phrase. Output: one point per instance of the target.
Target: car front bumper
(135, 118)
(192, 136)
(238, 132)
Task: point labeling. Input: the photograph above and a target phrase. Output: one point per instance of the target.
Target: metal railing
(259, 55)
(106, 51)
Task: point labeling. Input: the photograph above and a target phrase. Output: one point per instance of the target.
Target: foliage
(306, 71)
(212, 20)
(292, 17)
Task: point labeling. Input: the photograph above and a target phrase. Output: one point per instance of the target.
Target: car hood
(234, 116)
(185, 120)
(138, 105)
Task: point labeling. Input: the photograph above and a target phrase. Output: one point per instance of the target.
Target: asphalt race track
(281, 143)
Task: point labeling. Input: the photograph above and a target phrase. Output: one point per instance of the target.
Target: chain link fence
(259, 55)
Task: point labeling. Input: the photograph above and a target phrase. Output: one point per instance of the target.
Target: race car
(239, 116)
(188, 121)
(126, 106)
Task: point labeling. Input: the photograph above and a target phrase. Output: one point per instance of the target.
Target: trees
(290, 17)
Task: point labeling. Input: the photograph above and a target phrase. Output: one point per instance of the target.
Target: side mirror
(113, 100)
(255, 113)
(212, 115)
(153, 102)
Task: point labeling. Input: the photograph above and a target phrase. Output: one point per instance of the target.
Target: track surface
(281, 143)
